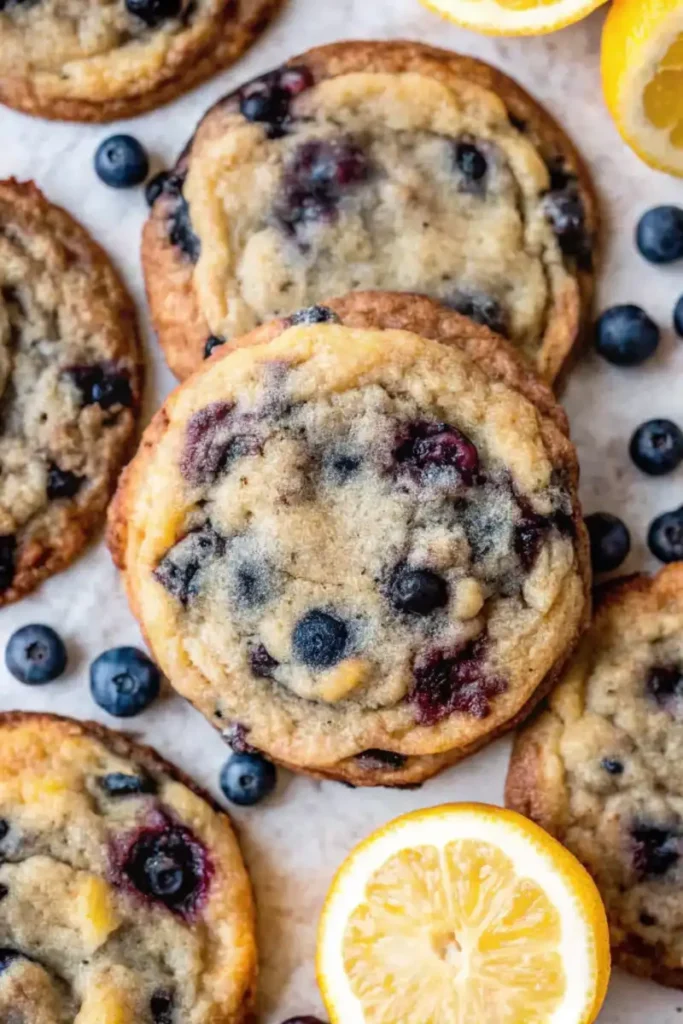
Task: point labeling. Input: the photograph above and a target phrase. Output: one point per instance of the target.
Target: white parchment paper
(295, 841)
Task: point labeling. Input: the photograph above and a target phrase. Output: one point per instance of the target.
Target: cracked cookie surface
(70, 385)
(373, 166)
(101, 61)
(123, 896)
(370, 555)
(601, 767)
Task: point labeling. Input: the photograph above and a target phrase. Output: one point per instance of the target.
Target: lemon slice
(513, 17)
(463, 914)
(642, 74)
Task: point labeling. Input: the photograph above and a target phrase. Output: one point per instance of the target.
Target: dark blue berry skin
(7, 957)
(118, 784)
(246, 779)
(319, 640)
(35, 655)
(314, 315)
(626, 336)
(155, 186)
(470, 161)
(610, 541)
(612, 766)
(665, 536)
(657, 447)
(124, 681)
(678, 317)
(61, 483)
(8, 547)
(212, 343)
(154, 12)
(121, 162)
(303, 1020)
(659, 235)
(417, 591)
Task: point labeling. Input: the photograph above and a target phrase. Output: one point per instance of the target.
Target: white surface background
(294, 842)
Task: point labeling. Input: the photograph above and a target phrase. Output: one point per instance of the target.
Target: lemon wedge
(513, 17)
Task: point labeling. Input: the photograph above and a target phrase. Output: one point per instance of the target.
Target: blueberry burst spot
(446, 682)
(316, 178)
(8, 547)
(216, 436)
(655, 850)
(179, 570)
(564, 210)
(119, 784)
(425, 446)
(61, 483)
(7, 957)
(179, 225)
(161, 1007)
(471, 162)
(482, 309)
(665, 685)
(262, 664)
(169, 865)
(314, 315)
(268, 100)
(102, 385)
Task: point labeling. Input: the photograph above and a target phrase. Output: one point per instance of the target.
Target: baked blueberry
(247, 779)
(155, 186)
(426, 446)
(381, 759)
(154, 12)
(262, 664)
(179, 571)
(216, 437)
(470, 161)
(7, 957)
(446, 682)
(342, 466)
(303, 1020)
(665, 685)
(180, 231)
(665, 536)
(612, 766)
(169, 866)
(626, 336)
(481, 308)
(161, 1007)
(316, 178)
(417, 591)
(610, 541)
(124, 681)
(8, 547)
(4, 891)
(678, 317)
(117, 784)
(314, 315)
(529, 535)
(253, 583)
(657, 447)
(319, 639)
(564, 210)
(4, 828)
(659, 234)
(35, 655)
(212, 343)
(102, 385)
(61, 483)
(267, 100)
(121, 161)
(655, 850)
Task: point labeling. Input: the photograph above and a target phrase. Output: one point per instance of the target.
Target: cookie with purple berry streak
(70, 381)
(123, 895)
(600, 767)
(374, 165)
(353, 540)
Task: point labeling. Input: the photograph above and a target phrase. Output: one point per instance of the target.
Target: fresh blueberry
(154, 12)
(657, 447)
(7, 957)
(121, 161)
(612, 766)
(655, 850)
(610, 541)
(124, 681)
(314, 315)
(626, 336)
(155, 186)
(417, 591)
(659, 235)
(665, 536)
(35, 655)
(247, 779)
(169, 866)
(161, 1007)
(8, 547)
(118, 784)
(62, 483)
(470, 161)
(678, 317)
(319, 639)
(212, 343)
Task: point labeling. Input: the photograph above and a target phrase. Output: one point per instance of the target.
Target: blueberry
(657, 447)
(659, 235)
(564, 209)
(4, 891)
(626, 336)
(678, 317)
(4, 829)
(155, 186)
(154, 12)
(180, 231)
(481, 308)
(35, 655)
(161, 1007)
(105, 386)
(446, 682)
(169, 866)
(262, 665)
(655, 850)
(374, 758)
(267, 100)
(7, 957)
(62, 483)
(124, 681)
(212, 343)
(247, 779)
(529, 535)
(664, 685)
(8, 547)
(253, 584)
(417, 591)
(319, 639)
(665, 536)
(215, 438)
(610, 541)
(612, 766)
(342, 467)
(121, 161)
(317, 176)
(118, 784)
(470, 161)
(180, 570)
(314, 315)
(424, 446)
(303, 1020)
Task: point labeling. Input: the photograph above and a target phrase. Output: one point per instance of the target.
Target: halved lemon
(642, 74)
(513, 17)
(460, 914)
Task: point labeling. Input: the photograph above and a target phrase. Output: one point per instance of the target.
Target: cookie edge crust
(180, 325)
(391, 310)
(76, 536)
(122, 745)
(526, 786)
(227, 46)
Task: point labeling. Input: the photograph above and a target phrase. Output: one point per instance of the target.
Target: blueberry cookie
(100, 60)
(384, 165)
(123, 896)
(69, 386)
(355, 547)
(601, 768)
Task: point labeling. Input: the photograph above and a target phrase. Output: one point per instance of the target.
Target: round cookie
(374, 165)
(356, 548)
(70, 382)
(600, 768)
(101, 61)
(123, 895)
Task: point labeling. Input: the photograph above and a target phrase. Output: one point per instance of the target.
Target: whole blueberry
(155, 186)
(626, 336)
(119, 784)
(417, 591)
(35, 655)
(678, 317)
(211, 344)
(124, 681)
(62, 483)
(665, 536)
(659, 235)
(247, 779)
(121, 161)
(657, 447)
(319, 639)
(470, 161)
(610, 541)
(154, 12)
(612, 766)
